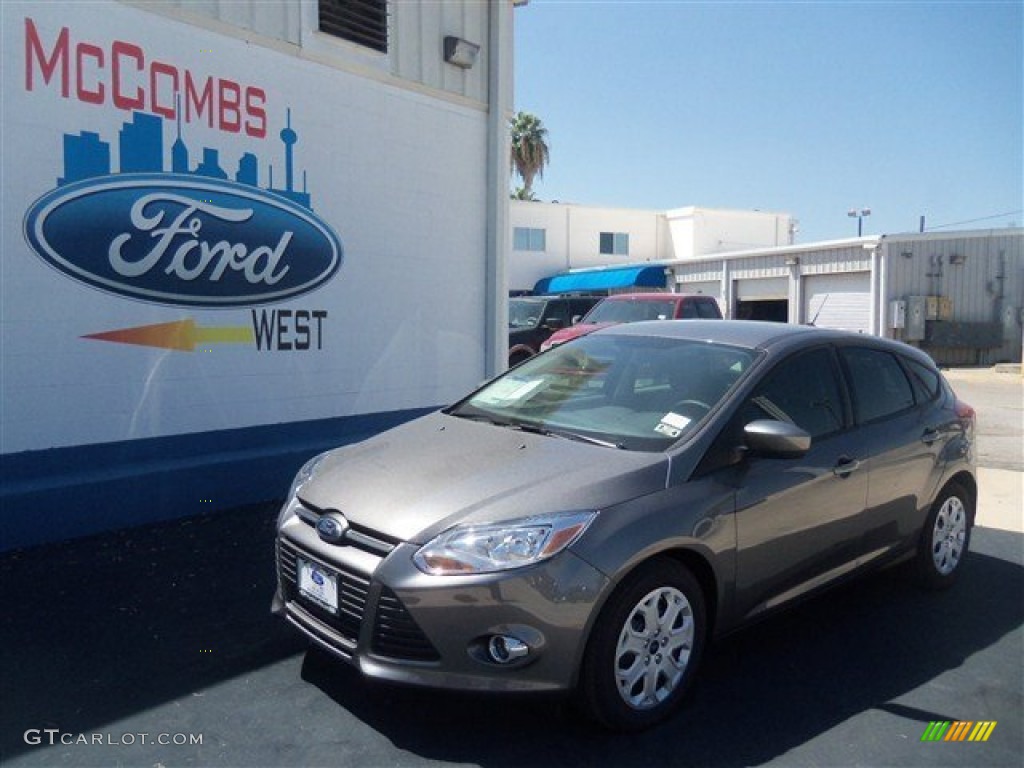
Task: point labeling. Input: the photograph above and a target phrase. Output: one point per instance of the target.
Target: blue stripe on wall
(64, 493)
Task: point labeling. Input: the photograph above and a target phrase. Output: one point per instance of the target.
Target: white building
(957, 295)
(549, 238)
(204, 279)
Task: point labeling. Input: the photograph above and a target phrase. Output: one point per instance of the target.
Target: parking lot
(155, 647)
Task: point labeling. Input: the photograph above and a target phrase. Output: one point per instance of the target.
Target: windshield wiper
(539, 430)
(536, 429)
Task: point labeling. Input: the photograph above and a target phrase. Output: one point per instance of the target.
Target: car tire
(645, 648)
(517, 358)
(945, 538)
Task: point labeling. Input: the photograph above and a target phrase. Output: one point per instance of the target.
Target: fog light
(504, 649)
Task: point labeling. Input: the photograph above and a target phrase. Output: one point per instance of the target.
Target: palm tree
(530, 151)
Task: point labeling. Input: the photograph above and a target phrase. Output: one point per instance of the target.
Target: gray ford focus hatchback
(588, 521)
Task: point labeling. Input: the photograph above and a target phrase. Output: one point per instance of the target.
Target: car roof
(549, 297)
(756, 334)
(654, 296)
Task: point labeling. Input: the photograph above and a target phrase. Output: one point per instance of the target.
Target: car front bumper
(396, 623)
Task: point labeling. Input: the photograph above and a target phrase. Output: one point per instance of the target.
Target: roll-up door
(704, 287)
(840, 301)
(712, 288)
(762, 289)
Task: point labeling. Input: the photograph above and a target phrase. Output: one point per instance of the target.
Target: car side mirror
(776, 439)
(576, 319)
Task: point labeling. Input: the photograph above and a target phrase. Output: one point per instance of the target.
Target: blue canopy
(602, 280)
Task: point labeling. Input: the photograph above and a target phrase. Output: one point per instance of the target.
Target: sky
(908, 109)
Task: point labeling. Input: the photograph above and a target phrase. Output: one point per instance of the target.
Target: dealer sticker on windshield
(318, 584)
(672, 424)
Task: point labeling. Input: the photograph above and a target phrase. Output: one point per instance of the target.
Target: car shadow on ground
(762, 691)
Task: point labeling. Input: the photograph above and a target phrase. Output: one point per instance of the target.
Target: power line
(974, 221)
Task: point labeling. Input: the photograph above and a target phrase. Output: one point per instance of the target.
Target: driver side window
(803, 390)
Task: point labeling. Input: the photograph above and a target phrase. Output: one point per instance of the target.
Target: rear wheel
(945, 538)
(645, 647)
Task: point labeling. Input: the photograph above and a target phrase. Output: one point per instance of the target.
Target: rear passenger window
(880, 388)
(689, 310)
(926, 381)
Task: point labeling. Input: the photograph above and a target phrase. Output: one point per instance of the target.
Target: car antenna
(823, 301)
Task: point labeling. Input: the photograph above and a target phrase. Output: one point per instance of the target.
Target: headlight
(471, 549)
(301, 478)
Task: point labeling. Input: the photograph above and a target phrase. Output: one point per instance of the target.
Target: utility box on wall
(916, 316)
(898, 313)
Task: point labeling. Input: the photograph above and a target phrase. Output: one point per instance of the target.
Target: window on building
(615, 243)
(359, 21)
(527, 239)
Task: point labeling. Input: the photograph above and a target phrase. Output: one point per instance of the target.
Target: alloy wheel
(654, 648)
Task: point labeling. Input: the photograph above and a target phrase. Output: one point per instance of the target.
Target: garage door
(839, 301)
(762, 289)
(706, 287)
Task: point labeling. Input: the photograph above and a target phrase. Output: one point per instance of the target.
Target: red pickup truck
(633, 307)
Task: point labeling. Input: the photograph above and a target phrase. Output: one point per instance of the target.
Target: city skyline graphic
(141, 150)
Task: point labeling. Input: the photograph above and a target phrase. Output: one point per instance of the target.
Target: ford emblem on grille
(331, 528)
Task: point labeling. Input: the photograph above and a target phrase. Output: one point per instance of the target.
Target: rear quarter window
(926, 381)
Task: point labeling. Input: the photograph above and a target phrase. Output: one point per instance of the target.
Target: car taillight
(966, 414)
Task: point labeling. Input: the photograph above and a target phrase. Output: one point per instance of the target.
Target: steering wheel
(684, 406)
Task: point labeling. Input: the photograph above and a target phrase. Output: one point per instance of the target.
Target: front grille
(353, 591)
(356, 536)
(396, 634)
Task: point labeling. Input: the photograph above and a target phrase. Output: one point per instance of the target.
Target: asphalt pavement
(155, 647)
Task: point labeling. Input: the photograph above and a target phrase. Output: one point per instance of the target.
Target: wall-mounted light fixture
(459, 52)
(792, 261)
(907, 254)
(957, 258)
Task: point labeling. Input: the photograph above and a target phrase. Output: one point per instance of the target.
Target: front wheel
(945, 538)
(645, 648)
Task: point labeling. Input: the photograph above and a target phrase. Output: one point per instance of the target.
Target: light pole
(853, 213)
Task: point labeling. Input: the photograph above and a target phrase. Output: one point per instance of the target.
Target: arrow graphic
(182, 335)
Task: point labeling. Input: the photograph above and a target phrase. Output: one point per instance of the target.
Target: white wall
(700, 231)
(573, 238)
(399, 173)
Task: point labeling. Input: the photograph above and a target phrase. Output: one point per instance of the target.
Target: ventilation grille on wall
(360, 21)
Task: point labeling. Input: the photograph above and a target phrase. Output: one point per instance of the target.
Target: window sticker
(672, 424)
(509, 390)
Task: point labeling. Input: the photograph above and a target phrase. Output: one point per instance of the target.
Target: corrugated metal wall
(416, 32)
(980, 277)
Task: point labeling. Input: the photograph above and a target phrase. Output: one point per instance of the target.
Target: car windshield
(524, 313)
(631, 311)
(635, 392)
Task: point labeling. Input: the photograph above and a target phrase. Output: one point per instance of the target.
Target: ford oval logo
(183, 240)
(331, 528)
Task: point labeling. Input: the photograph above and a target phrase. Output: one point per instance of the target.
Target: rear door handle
(929, 436)
(845, 466)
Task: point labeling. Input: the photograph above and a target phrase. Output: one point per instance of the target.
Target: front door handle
(845, 466)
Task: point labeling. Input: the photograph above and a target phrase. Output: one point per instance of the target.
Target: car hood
(416, 480)
(575, 331)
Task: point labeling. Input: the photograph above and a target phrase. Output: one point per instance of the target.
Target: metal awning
(602, 280)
